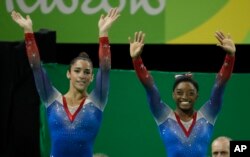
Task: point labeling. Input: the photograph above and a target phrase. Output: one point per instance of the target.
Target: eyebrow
(82, 68)
(188, 90)
(220, 152)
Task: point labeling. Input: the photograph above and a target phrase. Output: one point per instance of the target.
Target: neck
(185, 115)
(76, 94)
(75, 98)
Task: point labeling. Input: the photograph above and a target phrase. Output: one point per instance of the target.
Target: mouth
(184, 103)
(81, 83)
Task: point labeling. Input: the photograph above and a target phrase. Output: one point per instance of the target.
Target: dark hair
(82, 56)
(185, 78)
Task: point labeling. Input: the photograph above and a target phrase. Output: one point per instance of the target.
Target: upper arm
(46, 90)
(101, 90)
(159, 109)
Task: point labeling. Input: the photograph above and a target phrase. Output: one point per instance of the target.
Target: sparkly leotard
(180, 141)
(72, 135)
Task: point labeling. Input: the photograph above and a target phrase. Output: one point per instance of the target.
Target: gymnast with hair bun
(185, 132)
(74, 118)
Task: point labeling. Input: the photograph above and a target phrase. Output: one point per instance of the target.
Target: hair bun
(188, 74)
(83, 55)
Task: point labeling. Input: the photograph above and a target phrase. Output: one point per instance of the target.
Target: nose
(82, 75)
(184, 96)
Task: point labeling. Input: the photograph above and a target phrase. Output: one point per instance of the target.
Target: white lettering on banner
(45, 8)
(104, 5)
(147, 7)
(85, 8)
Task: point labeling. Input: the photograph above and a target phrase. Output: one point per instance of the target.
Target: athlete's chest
(173, 130)
(88, 117)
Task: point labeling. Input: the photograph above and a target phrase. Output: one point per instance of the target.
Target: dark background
(174, 58)
(19, 110)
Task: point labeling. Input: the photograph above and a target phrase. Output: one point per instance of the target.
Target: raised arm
(101, 90)
(158, 108)
(43, 85)
(213, 106)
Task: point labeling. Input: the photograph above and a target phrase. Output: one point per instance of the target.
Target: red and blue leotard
(181, 141)
(72, 135)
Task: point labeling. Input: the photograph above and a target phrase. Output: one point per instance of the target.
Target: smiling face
(185, 95)
(80, 75)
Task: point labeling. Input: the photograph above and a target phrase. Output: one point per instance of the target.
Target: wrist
(231, 54)
(103, 34)
(28, 30)
(135, 57)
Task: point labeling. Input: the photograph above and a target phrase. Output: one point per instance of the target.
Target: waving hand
(137, 44)
(105, 22)
(225, 42)
(25, 23)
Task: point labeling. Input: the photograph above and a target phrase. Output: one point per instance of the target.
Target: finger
(219, 39)
(143, 37)
(229, 36)
(129, 40)
(102, 16)
(220, 34)
(12, 13)
(139, 36)
(15, 16)
(136, 37)
(110, 12)
(113, 13)
(27, 17)
(117, 12)
(18, 15)
(116, 17)
(217, 35)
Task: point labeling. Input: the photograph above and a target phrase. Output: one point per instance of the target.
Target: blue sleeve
(159, 109)
(101, 90)
(213, 106)
(44, 87)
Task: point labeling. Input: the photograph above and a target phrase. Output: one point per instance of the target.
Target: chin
(186, 108)
(80, 89)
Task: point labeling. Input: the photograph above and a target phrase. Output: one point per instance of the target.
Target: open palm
(225, 42)
(137, 44)
(105, 22)
(25, 23)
